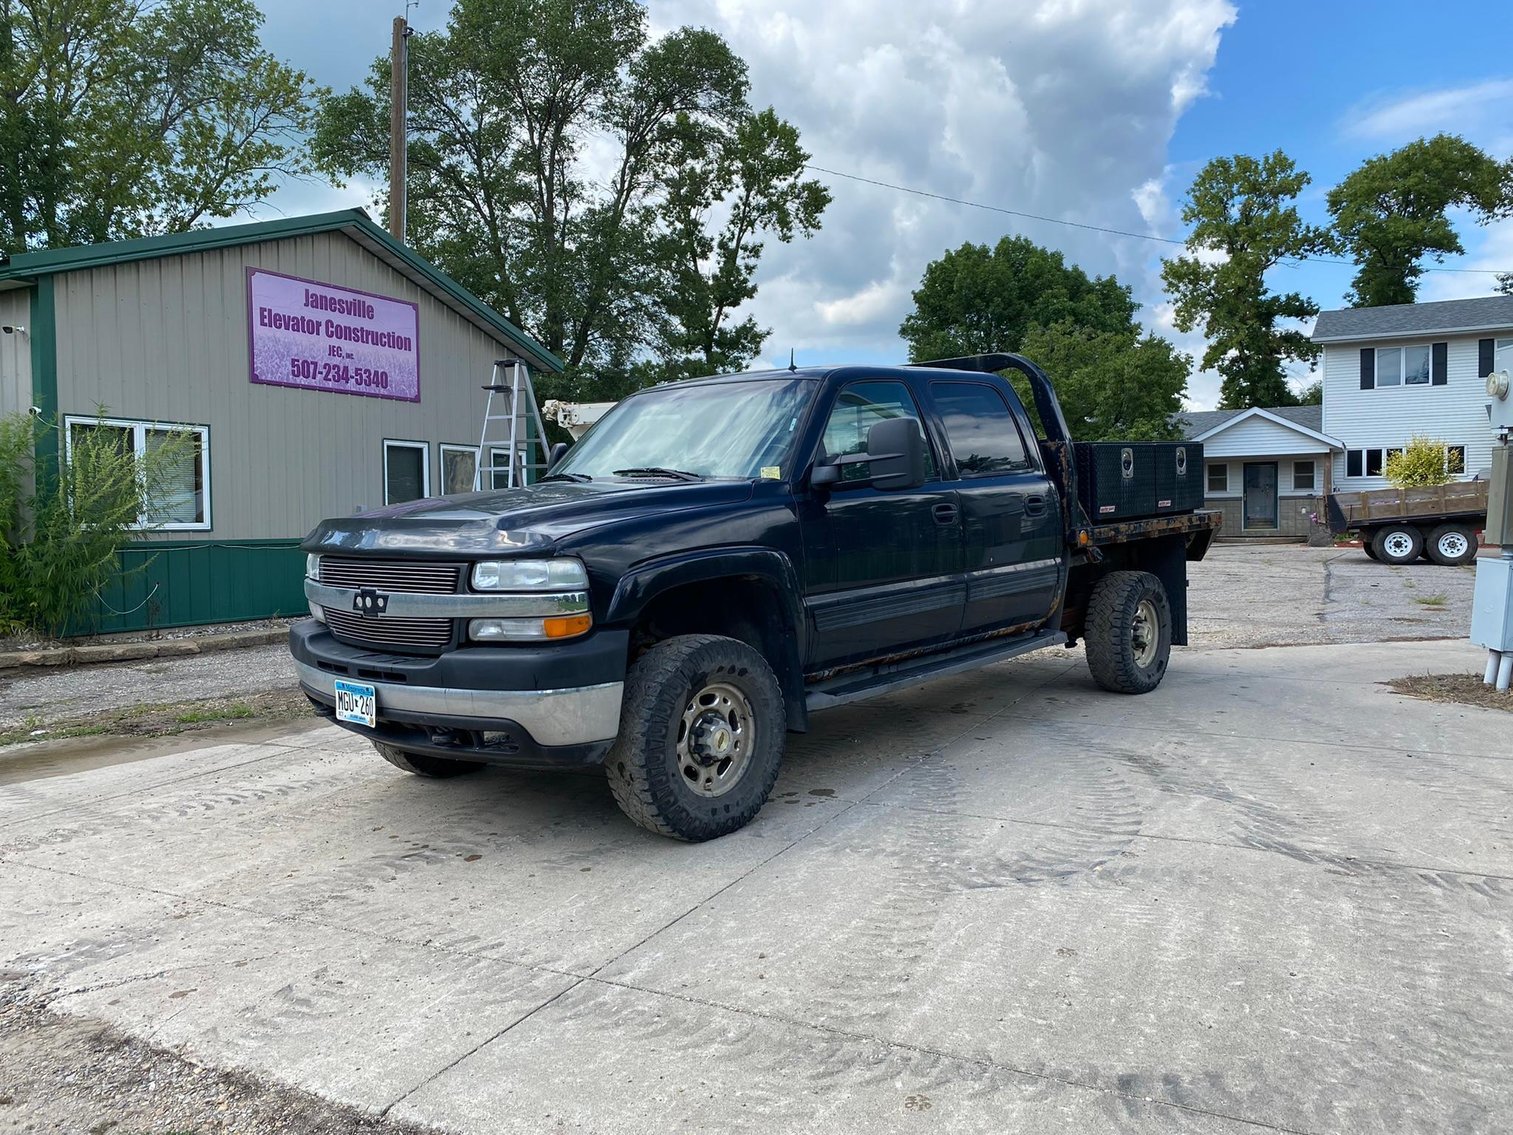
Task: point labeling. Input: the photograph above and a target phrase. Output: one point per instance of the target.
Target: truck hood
(529, 520)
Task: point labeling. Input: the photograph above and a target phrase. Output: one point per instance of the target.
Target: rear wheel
(423, 764)
(1397, 544)
(1451, 544)
(1366, 541)
(1128, 632)
(701, 737)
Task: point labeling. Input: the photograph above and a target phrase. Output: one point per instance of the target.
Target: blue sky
(1097, 112)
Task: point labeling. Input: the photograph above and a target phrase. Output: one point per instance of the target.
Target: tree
(1392, 212)
(975, 300)
(122, 118)
(1312, 394)
(1422, 462)
(1505, 283)
(1112, 385)
(1243, 224)
(607, 192)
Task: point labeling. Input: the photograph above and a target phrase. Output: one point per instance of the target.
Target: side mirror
(556, 453)
(896, 452)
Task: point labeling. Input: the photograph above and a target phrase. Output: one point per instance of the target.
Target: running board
(892, 676)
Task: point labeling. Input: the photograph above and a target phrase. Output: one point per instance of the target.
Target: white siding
(166, 340)
(15, 352)
(1258, 437)
(1388, 416)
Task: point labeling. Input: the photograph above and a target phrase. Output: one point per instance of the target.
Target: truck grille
(416, 576)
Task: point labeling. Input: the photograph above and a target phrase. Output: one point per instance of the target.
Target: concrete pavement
(1271, 896)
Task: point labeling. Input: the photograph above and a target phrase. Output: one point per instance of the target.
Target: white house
(1393, 372)
(1267, 470)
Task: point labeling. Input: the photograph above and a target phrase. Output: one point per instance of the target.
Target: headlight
(529, 630)
(312, 566)
(529, 575)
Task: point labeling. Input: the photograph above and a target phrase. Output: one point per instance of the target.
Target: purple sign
(322, 337)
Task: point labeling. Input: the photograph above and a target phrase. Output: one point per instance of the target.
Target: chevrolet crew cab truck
(717, 559)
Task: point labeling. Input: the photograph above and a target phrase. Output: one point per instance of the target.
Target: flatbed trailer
(1396, 526)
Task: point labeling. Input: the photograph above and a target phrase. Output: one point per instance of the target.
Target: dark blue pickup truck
(717, 559)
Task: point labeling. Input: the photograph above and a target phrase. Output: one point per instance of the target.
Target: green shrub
(63, 526)
(1421, 463)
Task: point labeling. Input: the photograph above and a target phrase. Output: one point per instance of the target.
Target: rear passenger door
(1011, 514)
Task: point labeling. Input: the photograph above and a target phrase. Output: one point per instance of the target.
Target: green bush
(63, 526)
(1421, 463)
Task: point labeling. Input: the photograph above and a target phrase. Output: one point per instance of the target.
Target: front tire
(1397, 544)
(701, 738)
(1451, 545)
(1128, 632)
(423, 764)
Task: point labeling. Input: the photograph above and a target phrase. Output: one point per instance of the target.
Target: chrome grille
(416, 576)
(391, 575)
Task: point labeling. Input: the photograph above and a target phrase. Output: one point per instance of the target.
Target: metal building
(323, 367)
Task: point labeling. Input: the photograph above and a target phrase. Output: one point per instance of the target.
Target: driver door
(883, 569)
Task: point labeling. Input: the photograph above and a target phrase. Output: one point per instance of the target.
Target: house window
(458, 465)
(1375, 462)
(1455, 459)
(407, 471)
(1403, 366)
(1367, 462)
(1218, 478)
(181, 500)
(1303, 476)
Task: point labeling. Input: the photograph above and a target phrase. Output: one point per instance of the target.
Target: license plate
(356, 702)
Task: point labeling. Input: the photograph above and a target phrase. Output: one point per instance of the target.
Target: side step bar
(892, 676)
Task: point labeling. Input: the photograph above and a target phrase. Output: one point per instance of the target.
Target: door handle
(1034, 505)
(945, 513)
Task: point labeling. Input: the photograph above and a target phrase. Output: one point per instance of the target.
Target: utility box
(1499, 527)
(1492, 609)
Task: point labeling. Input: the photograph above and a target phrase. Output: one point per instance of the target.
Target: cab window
(980, 427)
(858, 408)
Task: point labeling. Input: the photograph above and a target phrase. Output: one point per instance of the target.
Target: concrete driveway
(1272, 895)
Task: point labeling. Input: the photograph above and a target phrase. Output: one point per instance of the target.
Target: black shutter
(1484, 357)
(1368, 368)
(1439, 367)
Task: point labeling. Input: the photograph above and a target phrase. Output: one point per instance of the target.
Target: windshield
(726, 429)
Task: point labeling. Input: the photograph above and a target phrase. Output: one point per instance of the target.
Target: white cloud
(1489, 251)
(1480, 112)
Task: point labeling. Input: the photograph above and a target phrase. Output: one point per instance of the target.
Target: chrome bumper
(573, 716)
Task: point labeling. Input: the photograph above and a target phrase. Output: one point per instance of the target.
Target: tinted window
(858, 408)
(980, 427)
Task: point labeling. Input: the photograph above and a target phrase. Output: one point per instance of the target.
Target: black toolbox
(1124, 480)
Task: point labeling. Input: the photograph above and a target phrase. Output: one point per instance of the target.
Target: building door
(1260, 494)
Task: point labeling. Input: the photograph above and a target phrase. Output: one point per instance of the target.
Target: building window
(182, 498)
(498, 468)
(1402, 366)
(459, 464)
(1303, 476)
(407, 471)
(1455, 459)
(1367, 462)
(1218, 478)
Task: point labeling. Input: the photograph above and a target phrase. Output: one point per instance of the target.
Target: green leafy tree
(1243, 223)
(122, 118)
(1312, 394)
(609, 192)
(1393, 212)
(1505, 283)
(975, 300)
(1422, 462)
(1112, 385)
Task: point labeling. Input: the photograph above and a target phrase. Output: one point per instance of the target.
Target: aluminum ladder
(518, 397)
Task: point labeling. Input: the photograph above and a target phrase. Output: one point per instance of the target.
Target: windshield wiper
(658, 471)
(576, 478)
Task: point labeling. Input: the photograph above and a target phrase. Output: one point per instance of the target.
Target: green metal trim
(38, 266)
(44, 342)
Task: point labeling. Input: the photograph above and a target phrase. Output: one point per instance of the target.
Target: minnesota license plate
(356, 702)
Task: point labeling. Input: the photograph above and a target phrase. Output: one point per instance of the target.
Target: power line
(1094, 228)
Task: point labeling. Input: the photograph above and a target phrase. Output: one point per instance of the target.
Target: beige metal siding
(166, 340)
(15, 352)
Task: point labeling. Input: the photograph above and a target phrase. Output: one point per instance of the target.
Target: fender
(644, 582)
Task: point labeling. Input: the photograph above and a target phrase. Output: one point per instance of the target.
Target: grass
(1430, 600)
(1466, 689)
(236, 711)
(162, 719)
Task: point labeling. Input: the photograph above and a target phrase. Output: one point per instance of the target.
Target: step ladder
(517, 399)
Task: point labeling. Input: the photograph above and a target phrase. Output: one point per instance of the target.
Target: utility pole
(398, 96)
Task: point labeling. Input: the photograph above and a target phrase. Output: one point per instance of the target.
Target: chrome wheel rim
(1145, 634)
(1453, 545)
(715, 738)
(1398, 545)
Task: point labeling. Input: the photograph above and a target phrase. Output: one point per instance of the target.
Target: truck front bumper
(551, 706)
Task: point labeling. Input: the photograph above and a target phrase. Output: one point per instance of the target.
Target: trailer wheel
(1367, 538)
(1451, 545)
(423, 764)
(1397, 544)
(1129, 632)
(701, 737)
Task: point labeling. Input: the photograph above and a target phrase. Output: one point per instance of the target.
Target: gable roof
(1489, 313)
(1197, 423)
(354, 223)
